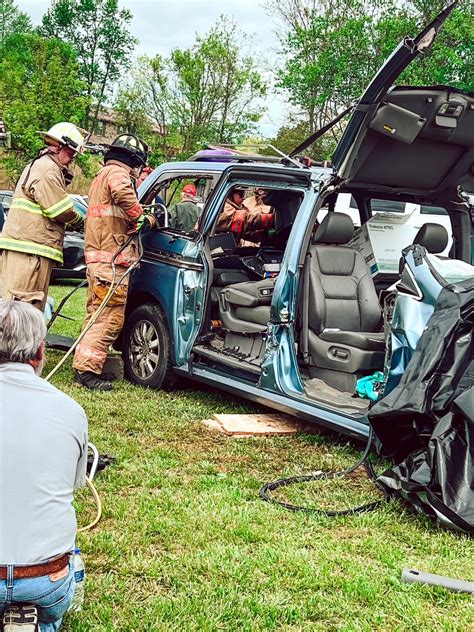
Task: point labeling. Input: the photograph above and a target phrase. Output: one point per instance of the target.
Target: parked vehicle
(6, 200)
(74, 266)
(294, 321)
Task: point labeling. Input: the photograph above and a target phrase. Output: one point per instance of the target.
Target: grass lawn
(185, 543)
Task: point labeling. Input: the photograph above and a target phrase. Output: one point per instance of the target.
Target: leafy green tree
(39, 86)
(12, 20)
(290, 136)
(333, 48)
(209, 92)
(131, 114)
(99, 33)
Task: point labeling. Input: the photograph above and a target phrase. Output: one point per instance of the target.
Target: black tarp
(426, 424)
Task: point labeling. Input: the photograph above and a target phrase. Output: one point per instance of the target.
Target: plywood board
(251, 425)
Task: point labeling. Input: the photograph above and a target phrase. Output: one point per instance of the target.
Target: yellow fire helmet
(65, 134)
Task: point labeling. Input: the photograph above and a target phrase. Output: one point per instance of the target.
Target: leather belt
(37, 570)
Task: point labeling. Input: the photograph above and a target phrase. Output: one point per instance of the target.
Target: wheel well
(135, 300)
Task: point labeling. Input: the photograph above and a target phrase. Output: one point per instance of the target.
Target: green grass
(185, 543)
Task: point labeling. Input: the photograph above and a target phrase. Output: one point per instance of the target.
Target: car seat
(343, 314)
(433, 237)
(245, 307)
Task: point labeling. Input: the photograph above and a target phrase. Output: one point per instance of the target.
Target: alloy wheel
(144, 349)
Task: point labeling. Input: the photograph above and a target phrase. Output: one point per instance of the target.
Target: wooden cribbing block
(249, 425)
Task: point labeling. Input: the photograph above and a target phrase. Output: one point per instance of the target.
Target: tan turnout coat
(112, 214)
(39, 211)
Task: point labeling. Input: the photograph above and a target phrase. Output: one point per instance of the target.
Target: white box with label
(382, 239)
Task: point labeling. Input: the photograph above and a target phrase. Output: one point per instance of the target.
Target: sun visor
(398, 123)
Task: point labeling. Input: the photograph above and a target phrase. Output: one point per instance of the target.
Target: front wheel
(147, 349)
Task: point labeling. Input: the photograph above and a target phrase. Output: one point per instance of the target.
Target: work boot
(20, 618)
(107, 377)
(92, 381)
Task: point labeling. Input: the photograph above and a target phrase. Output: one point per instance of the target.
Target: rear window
(387, 206)
(433, 210)
(382, 206)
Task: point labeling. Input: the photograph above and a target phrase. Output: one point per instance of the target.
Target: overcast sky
(161, 25)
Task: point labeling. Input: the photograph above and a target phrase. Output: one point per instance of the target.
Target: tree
(290, 136)
(98, 32)
(12, 20)
(39, 86)
(209, 92)
(333, 48)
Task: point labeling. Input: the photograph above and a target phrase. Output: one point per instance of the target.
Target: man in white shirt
(43, 458)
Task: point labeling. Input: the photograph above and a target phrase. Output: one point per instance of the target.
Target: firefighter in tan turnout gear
(243, 222)
(33, 234)
(114, 213)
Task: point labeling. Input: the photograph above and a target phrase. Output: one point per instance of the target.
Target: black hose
(57, 312)
(265, 490)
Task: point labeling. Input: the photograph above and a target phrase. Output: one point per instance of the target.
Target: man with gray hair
(43, 458)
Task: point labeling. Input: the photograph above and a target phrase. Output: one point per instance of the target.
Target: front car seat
(245, 307)
(344, 317)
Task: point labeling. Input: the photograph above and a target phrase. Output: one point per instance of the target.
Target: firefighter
(33, 234)
(114, 212)
(256, 208)
(239, 220)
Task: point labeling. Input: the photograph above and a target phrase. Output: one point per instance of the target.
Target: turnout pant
(91, 352)
(26, 277)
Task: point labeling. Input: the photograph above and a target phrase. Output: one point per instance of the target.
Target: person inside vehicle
(256, 208)
(184, 215)
(43, 458)
(238, 219)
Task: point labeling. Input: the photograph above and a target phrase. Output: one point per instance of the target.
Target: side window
(387, 206)
(6, 201)
(184, 197)
(433, 210)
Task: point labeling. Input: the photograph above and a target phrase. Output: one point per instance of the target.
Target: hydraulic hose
(91, 486)
(113, 286)
(265, 490)
(95, 316)
(57, 312)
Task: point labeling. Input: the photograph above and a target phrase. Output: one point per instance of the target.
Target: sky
(161, 25)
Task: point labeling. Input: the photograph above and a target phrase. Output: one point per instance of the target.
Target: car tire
(146, 348)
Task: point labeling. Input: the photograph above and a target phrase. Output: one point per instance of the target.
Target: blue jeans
(52, 598)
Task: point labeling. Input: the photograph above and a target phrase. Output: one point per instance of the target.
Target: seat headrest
(336, 228)
(433, 237)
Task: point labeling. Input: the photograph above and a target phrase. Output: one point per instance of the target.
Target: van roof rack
(226, 152)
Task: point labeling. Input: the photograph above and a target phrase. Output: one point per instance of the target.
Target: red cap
(190, 189)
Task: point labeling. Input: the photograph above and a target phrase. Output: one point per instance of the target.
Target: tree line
(82, 57)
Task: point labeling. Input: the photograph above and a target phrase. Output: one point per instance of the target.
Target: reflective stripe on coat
(111, 216)
(40, 209)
